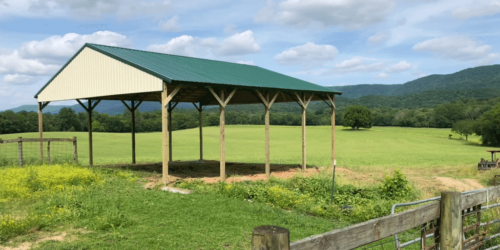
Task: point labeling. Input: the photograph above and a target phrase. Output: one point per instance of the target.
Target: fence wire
(58, 151)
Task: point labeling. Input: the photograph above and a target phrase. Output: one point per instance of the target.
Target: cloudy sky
(328, 42)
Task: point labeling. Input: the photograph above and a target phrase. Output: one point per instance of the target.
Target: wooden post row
(200, 111)
(303, 102)
(451, 221)
(41, 106)
(270, 238)
(89, 110)
(268, 103)
(48, 152)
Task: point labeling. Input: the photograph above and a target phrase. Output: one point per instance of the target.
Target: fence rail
(449, 215)
(20, 148)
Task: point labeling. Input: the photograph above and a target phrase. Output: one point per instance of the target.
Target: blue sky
(328, 42)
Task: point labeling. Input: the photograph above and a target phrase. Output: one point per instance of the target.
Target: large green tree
(464, 128)
(358, 116)
(489, 127)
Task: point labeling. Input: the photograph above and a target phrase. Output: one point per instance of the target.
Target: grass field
(129, 217)
(380, 147)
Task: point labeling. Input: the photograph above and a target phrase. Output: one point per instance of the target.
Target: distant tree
(488, 127)
(68, 120)
(357, 116)
(464, 128)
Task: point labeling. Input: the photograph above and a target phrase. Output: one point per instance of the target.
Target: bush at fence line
(312, 195)
(36, 181)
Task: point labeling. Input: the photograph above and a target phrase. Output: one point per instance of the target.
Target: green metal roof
(195, 70)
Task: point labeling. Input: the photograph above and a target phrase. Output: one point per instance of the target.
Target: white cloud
(185, 46)
(477, 9)
(238, 44)
(358, 64)
(382, 75)
(379, 37)
(399, 67)
(170, 24)
(347, 14)
(63, 47)
(83, 9)
(19, 79)
(14, 63)
(308, 54)
(45, 57)
(461, 48)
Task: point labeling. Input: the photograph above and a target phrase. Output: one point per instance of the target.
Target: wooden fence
(447, 217)
(20, 151)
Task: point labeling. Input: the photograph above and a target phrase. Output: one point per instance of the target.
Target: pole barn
(98, 72)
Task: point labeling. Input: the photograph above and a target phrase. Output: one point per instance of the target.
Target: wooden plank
(165, 139)
(44, 139)
(167, 99)
(485, 196)
(270, 238)
(221, 102)
(369, 231)
(81, 104)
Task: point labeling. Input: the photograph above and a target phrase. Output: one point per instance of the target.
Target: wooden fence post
(270, 238)
(450, 224)
(75, 152)
(20, 150)
(48, 152)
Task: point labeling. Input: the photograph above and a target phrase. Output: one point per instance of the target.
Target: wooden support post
(166, 98)
(91, 152)
(170, 131)
(303, 102)
(200, 110)
(20, 151)
(40, 130)
(450, 224)
(270, 238)
(267, 104)
(75, 152)
(222, 138)
(89, 108)
(133, 131)
(48, 152)
(333, 108)
(223, 103)
(164, 128)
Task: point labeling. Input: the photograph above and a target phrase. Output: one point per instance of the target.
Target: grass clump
(312, 195)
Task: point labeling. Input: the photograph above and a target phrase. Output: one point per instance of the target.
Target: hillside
(474, 81)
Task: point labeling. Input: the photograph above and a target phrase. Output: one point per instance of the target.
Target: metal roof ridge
(172, 55)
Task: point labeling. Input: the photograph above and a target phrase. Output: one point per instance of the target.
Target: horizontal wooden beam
(370, 231)
(486, 196)
(172, 94)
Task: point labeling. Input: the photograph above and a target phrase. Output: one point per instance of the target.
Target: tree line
(440, 116)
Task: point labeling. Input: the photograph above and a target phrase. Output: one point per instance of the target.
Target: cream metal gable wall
(93, 74)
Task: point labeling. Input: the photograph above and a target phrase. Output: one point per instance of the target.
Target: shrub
(397, 186)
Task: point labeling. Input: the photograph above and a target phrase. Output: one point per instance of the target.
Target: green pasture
(386, 147)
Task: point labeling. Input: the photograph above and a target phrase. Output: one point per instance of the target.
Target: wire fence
(26, 151)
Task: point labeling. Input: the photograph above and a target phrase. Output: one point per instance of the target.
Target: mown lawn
(380, 147)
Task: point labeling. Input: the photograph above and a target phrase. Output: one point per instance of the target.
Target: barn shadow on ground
(210, 170)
